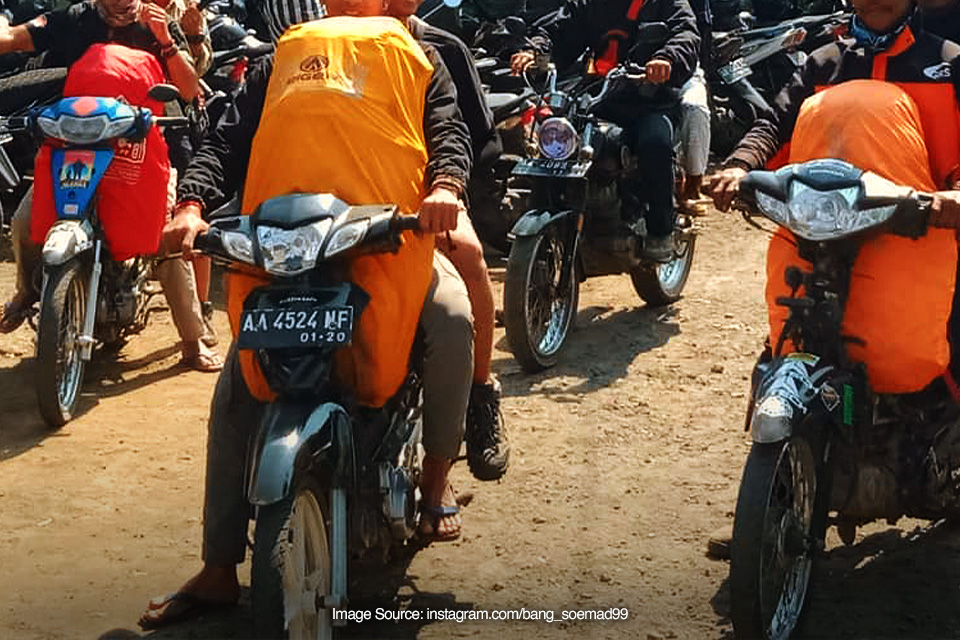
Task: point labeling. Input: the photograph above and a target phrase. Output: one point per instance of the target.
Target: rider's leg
(694, 138)
(179, 288)
(234, 414)
(447, 371)
(27, 256)
(652, 142)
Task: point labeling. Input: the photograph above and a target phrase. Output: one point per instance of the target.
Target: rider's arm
(220, 164)
(448, 139)
(181, 67)
(16, 38)
(682, 50)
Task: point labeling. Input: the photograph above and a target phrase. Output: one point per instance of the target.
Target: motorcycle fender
(786, 395)
(533, 222)
(65, 240)
(287, 432)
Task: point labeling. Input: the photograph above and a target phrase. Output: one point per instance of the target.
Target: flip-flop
(13, 316)
(203, 362)
(435, 514)
(178, 607)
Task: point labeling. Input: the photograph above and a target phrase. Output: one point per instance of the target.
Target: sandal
(429, 517)
(14, 313)
(177, 607)
(204, 362)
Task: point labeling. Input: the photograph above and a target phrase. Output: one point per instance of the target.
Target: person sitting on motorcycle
(487, 450)
(66, 35)
(218, 169)
(694, 133)
(880, 45)
(607, 29)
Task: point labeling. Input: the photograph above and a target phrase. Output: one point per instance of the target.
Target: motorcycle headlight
(558, 139)
(84, 130)
(347, 236)
(822, 215)
(287, 252)
(238, 245)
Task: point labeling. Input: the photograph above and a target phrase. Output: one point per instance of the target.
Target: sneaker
(487, 450)
(658, 248)
(209, 336)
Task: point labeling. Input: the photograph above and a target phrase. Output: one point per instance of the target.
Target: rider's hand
(658, 71)
(520, 61)
(155, 18)
(945, 210)
(192, 21)
(440, 210)
(725, 185)
(180, 232)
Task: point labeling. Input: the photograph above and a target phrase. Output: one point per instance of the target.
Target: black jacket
(219, 167)
(470, 98)
(943, 22)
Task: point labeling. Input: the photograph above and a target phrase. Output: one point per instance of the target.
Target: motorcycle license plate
(304, 326)
(551, 168)
(736, 70)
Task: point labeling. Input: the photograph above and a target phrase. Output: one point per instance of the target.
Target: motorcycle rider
(487, 450)
(694, 133)
(66, 35)
(217, 168)
(607, 29)
(881, 45)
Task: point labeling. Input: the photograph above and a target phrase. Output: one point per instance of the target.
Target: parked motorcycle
(576, 228)
(823, 441)
(87, 298)
(332, 483)
(749, 66)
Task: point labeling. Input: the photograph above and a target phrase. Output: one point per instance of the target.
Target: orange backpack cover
(344, 115)
(901, 291)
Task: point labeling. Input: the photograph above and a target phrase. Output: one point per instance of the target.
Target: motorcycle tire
(291, 544)
(59, 372)
(532, 279)
(23, 89)
(662, 284)
(777, 494)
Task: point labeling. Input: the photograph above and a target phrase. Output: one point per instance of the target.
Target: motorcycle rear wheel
(537, 314)
(662, 284)
(59, 365)
(291, 568)
(771, 554)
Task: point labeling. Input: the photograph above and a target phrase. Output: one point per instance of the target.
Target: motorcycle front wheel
(662, 284)
(538, 307)
(291, 568)
(771, 554)
(59, 364)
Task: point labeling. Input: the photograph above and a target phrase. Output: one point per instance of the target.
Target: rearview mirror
(652, 33)
(163, 93)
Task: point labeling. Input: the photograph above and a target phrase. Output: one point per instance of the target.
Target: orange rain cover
(901, 290)
(344, 115)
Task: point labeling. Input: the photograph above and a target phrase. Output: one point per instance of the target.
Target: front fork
(93, 286)
(568, 268)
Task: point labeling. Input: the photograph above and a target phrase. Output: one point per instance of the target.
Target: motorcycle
(332, 484)
(87, 297)
(749, 66)
(823, 441)
(575, 229)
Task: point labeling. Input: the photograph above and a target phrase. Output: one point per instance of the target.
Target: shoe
(718, 544)
(488, 453)
(658, 248)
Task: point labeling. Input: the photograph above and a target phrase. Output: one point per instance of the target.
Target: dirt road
(625, 456)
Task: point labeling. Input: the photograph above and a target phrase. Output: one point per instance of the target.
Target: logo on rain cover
(314, 64)
(938, 71)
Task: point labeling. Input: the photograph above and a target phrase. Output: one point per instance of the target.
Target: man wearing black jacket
(608, 29)
(487, 450)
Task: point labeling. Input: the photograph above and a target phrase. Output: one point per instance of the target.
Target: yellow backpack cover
(344, 115)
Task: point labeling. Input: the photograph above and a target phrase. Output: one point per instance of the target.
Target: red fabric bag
(132, 196)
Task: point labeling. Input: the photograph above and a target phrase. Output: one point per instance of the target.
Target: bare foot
(441, 518)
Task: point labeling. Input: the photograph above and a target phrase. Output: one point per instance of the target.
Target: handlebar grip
(406, 223)
(171, 121)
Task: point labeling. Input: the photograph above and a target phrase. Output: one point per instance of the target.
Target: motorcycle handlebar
(171, 121)
(406, 223)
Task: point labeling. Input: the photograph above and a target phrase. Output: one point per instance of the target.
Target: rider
(487, 449)
(608, 28)
(694, 134)
(66, 35)
(881, 45)
(217, 169)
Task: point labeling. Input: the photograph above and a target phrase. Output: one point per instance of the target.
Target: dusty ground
(625, 456)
